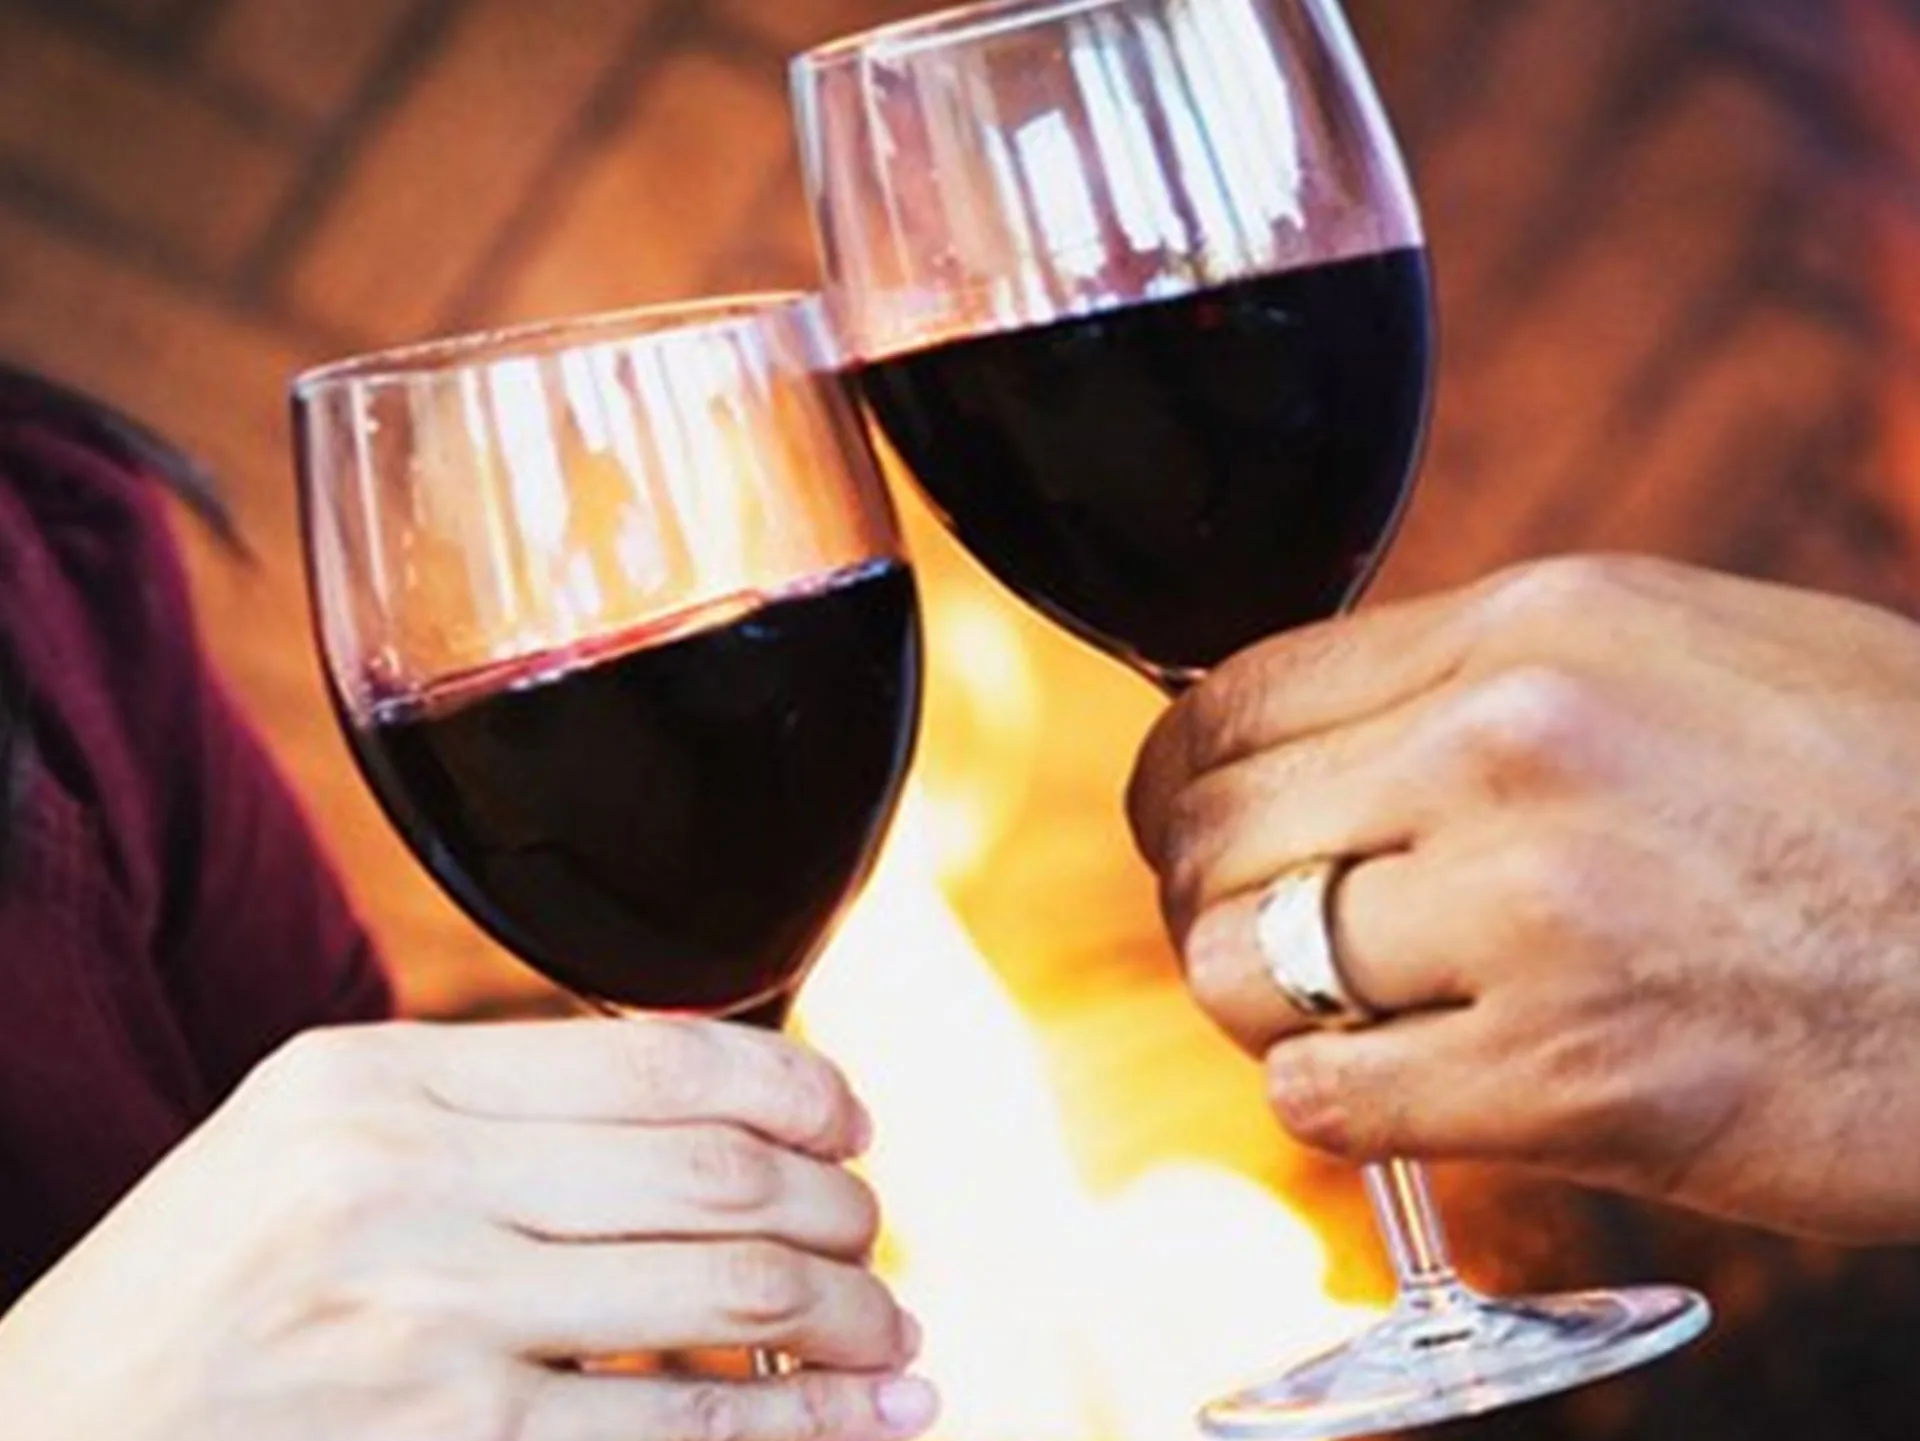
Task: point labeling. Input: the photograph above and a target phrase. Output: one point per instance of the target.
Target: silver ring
(1293, 930)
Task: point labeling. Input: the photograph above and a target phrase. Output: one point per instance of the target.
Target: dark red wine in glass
(666, 822)
(1177, 479)
(1138, 292)
(618, 625)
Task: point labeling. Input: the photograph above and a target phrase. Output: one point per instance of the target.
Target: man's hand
(1639, 884)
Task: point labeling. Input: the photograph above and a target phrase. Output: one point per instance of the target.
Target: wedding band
(1293, 930)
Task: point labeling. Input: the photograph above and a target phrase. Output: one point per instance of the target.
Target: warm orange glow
(1051, 1313)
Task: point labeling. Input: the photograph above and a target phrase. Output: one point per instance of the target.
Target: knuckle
(324, 1067)
(351, 1171)
(412, 1316)
(712, 1411)
(1213, 964)
(1229, 714)
(1313, 1101)
(813, 1098)
(1327, 1128)
(1555, 892)
(1181, 906)
(763, 1285)
(866, 1321)
(1190, 817)
(821, 1410)
(1223, 715)
(1192, 857)
(669, 1062)
(864, 1216)
(849, 1218)
(1153, 783)
(1526, 726)
(1567, 588)
(730, 1170)
(1592, 1104)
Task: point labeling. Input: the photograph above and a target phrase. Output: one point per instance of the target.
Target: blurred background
(1678, 244)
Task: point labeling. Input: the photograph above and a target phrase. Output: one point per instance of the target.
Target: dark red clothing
(166, 919)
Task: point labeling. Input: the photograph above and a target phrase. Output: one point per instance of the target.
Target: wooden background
(1679, 252)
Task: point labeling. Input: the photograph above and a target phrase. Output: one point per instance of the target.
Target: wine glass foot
(1456, 1354)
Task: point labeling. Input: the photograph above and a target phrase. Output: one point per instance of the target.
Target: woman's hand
(1638, 893)
(407, 1233)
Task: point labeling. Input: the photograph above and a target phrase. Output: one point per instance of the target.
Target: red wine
(1176, 479)
(667, 822)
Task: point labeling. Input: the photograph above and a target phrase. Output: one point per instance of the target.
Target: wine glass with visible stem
(1138, 292)
(617, 621)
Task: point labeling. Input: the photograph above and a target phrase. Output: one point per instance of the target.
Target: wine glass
(1138, 292)
(616, 618)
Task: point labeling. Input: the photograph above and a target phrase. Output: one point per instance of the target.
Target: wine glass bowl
(1140, 298)
(1138, 292)
(617, 622)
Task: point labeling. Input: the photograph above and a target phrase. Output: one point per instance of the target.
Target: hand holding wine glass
(618, 626)
(1640, 909)
(1138, 292)
(396, 1231)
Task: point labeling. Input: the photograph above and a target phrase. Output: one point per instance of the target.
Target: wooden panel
(1555, 362)
(792, 25)
(178, 173)
(454, 163)
(311, 58)
(661, 196)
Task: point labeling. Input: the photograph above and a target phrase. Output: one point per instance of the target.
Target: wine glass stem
(1404, 1210)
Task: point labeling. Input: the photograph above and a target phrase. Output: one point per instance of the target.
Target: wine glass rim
(479, 348)
(953, 25)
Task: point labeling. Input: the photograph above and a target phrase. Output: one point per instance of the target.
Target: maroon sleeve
(259, 933)
(256, 931)
(167, 918)
(250, 928)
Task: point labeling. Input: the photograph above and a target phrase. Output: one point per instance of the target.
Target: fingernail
(907, 1404)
